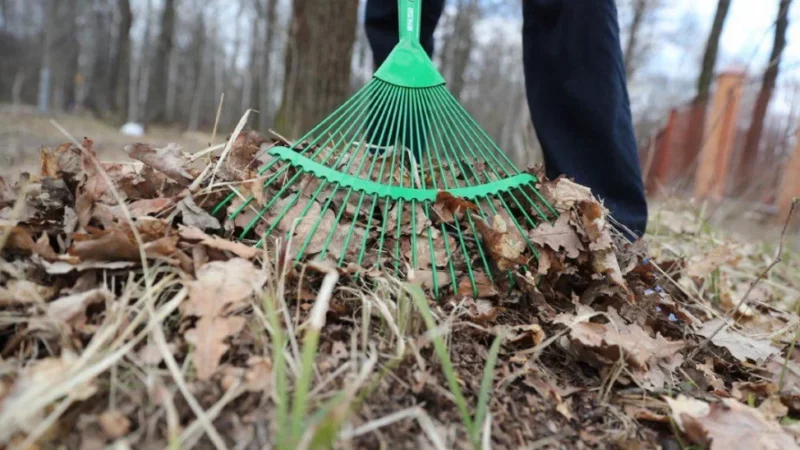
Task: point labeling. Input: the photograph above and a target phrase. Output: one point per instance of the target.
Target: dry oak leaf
(168, 160)
(741, 347)
(242, 156)
(450, 207)
(602, 345)
(221, 287)
(702, 265)
(563, 193)
(559, 235)
(503, 247)
(728, 425)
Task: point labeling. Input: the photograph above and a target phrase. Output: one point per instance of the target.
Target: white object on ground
(132, 129)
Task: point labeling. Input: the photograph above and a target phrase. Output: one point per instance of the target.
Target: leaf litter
(595, 329)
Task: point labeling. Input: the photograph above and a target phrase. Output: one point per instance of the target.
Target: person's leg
(578, 98)
(381, 23)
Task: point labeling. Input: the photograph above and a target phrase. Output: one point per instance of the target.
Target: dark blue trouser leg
(578, 98)
(382, 32)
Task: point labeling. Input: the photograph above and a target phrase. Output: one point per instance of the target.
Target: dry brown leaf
(787, 374)
(425, 252)
(424, 278)
(20, 240)
(168, 160)
(703, 265)
(482, 311)
(114, 423)
(242, 157)
(449, 207)
(773, 408)
(503, 248)
(483, 284)
(21, 292)
(741, 347)
(218, 243)
(527, 335)
(195, 216)
(49, 163)
(593, 220)
(563, 194)
(73, 307)
(558, 236)
(410, 222)
(208, 338)
(728, 425)
(221, 287)
(257, 376)
(651, 360)
(119, 244)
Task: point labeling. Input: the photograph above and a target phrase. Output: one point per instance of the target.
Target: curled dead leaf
(168, 160)
(503, 248)
(728, 425)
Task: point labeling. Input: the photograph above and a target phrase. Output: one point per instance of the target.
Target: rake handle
(410, 13)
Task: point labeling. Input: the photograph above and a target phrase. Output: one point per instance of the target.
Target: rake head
(399, 175)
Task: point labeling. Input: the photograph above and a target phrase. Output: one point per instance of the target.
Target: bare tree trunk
(463, 41)
(710, 56)
(157, 91)
(750, 152)
(97, 99)
(317, 45)
(120, 66)
(631, 46)
(268, 46)
(45, 72)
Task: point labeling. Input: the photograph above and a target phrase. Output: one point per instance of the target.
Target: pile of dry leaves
(130, 317)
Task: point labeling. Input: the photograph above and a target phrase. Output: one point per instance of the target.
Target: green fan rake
(379, 161)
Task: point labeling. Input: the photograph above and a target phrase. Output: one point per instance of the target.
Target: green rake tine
(349, 193)
(332, 194)
(394, 91)
(524, 212)
(395, 108)
(363, 90)
(391, 183)
(470, 271)
(429, 113)
(358, 95)
(404, 133)
(431, 147)
(283, 189)
(495, 149)
(440, 120)
(420, 137)
(465, 128)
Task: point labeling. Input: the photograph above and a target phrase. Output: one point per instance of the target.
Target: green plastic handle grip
(410, 14)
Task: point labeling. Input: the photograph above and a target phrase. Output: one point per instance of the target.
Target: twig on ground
(753, 284)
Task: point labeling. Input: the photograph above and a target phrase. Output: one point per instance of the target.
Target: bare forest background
(167, 63)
